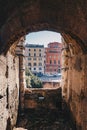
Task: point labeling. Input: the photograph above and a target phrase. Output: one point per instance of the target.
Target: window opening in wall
(54, 61)
(39, 54)
(50, 61)
(40, 68)
(29, 58)
(34, 58)
(29, 54)
(35, 64)
(34, 68)
(45, 57)
(29, 64)
(35, 54)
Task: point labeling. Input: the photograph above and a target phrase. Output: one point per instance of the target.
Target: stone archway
(20, 17)
(23, 17)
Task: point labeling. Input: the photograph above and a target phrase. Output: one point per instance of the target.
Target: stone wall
(74, 82)
(28, 16)
(51, 84)
(9, 90)
(20, 51)
(46, 98)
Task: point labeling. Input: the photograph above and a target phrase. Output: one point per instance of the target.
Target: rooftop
(34, 46)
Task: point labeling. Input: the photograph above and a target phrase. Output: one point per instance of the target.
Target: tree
(32, 81)
(36, 82)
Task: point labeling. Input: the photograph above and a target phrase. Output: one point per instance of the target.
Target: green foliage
(35, 82)
(28, 81)
(32, 81)
(28, 72)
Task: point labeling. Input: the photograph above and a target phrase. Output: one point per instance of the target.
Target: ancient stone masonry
(20, 52)
(74, 81)
(11, 76)
(20, 17)
(45, 98)
(9, 91)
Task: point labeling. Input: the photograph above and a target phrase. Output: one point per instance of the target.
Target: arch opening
(68, 18)
(70, 49)
(39, 52)
(42, 95)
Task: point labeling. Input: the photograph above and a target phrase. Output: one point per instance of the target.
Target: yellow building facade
(35, 57)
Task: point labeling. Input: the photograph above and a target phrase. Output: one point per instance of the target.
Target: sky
(43, 37)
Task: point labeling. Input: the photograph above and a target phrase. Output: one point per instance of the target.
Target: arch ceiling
(19, 17)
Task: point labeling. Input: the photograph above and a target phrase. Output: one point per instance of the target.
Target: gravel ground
(44, 119)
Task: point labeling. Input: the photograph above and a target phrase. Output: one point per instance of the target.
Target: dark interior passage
(51, 113)
(45, 119)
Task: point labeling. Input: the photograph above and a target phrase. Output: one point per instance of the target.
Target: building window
(29, 54)
(55, 46)
(40, 64)
(29, 64)
(39, 49)
(29, 49)
(58, 61)
(29, 68)
(50, 62)
(54, 61)
(29, 58)
(40, 54)
(34, 49)
(34, 68)
(59, 70)
(35, 64)
(34, 58)
(34, 54)
(40, 68)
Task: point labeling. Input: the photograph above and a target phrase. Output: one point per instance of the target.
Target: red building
(53, 58)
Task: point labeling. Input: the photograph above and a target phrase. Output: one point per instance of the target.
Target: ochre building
(34, 55)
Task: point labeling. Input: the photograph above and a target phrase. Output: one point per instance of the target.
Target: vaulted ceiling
(19, 17)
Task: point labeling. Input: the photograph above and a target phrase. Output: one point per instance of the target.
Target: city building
(34, 55)
(53, 58)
